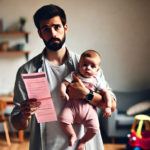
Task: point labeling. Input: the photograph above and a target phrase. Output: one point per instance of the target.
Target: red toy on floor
(138, 140)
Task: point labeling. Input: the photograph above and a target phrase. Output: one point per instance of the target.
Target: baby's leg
(87, 136)
(68, 129)
(66, 120)
(91, 123)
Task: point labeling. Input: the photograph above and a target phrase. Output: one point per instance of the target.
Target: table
(9, 100)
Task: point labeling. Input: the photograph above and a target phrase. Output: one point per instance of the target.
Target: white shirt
(56, 139)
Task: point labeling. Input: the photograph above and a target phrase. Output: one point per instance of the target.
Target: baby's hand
(107, 112)
(64, 96)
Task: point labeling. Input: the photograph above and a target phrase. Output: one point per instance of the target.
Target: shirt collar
(44, 52)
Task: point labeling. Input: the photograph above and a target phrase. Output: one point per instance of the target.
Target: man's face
(53, 33)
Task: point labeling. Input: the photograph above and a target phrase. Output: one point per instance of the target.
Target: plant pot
(21, 28)
(4, 46)
(20, 47)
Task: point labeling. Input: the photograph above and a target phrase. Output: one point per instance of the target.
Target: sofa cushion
(139, 108)
(124, 120)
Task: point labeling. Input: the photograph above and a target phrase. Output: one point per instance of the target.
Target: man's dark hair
(48, 12)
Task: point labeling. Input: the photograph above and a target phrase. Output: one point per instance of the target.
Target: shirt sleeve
(101, 76)
(70, 78)
(20, 93)
(100, 84)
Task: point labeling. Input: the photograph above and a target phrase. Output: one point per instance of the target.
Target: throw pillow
(139, 108)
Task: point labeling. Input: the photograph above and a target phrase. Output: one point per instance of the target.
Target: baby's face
(88, 66)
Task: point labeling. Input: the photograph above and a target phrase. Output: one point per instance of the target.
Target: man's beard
(55, 46)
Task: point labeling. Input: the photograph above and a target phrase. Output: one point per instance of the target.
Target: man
(57, 62)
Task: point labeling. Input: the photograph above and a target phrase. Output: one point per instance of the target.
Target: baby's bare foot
(81, 146)
(73, 139)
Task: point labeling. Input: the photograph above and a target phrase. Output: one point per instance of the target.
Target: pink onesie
(79, 111)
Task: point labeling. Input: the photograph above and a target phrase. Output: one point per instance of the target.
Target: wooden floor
(15, 145)
(114, 147)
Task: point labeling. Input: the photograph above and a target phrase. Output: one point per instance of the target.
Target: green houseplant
(22, 23)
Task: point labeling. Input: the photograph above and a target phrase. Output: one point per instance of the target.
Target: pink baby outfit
(79, 111)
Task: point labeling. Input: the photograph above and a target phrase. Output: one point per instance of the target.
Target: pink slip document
(37, 88)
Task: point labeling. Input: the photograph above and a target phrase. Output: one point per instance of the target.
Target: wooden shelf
(16, 33)
(15, 51)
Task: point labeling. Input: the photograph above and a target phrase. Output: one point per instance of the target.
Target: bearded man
(57, 62)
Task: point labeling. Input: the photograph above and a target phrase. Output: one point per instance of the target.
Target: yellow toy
(140, 140)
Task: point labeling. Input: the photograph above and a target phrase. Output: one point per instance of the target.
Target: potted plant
(22, 23)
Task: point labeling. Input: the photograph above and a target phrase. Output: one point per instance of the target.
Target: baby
(78, 110)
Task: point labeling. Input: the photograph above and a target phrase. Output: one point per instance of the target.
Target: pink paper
(37, 88)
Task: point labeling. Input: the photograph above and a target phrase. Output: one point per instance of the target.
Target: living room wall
(118, 29)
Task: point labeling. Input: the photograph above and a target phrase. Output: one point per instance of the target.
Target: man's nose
(53, 32)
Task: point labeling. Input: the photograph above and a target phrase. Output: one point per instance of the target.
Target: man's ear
(40, 35)
(66, 28)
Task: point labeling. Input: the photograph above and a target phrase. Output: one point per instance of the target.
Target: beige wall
(118, 29)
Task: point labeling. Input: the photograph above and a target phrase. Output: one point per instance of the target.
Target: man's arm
(77, 90)
(98, 101)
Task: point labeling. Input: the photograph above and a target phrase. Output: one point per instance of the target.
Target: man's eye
(57, 27)
(84, 64)
(46, 30)
(93, 66)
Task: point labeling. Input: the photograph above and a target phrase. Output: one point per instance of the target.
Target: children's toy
(138, 140)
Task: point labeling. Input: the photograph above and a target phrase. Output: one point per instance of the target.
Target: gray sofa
(119, 124)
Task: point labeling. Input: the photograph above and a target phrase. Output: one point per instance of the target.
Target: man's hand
(77, 89)
(28, 108)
